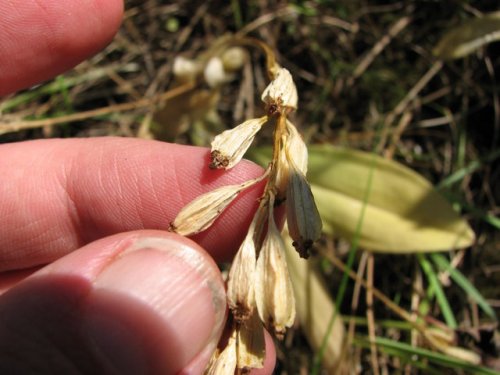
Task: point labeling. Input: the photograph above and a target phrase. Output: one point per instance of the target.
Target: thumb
(144, 302)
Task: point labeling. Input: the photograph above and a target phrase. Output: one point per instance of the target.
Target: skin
(90, 281)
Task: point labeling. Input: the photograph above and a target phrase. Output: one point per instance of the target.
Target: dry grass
(366, 79)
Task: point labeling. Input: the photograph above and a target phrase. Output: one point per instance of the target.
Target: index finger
(58, 195)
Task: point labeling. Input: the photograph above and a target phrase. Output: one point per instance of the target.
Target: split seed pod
(229, 147)
(294, 148)
(303, 220)
(281, 93)
(225, 362)
(273, 287)
(251, 347)
(241, 280)
(201, 212)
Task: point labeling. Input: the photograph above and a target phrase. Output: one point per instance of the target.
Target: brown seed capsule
(273, 287)
(303, 220)
(229, 147)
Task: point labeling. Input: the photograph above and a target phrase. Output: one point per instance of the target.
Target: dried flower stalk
(259, 286)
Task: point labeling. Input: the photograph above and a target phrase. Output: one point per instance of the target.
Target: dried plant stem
(141, 103)
(417, 291)
(370, 317)
(403, 104)
(394, 30)
(356, 295)
(271, 64)
(403, 314)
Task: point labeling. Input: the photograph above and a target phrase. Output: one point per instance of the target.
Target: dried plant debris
(259, 289)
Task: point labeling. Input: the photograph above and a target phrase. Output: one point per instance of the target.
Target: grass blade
(442, 263)
(448, 315)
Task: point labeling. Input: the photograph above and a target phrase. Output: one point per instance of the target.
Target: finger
(138, 303)
(57, 195)
(40, 39)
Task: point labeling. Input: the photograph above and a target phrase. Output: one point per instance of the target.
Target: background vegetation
(367, 79)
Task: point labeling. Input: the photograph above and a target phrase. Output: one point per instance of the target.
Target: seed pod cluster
(259, 289)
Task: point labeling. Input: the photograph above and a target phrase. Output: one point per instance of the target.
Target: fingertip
(39, 40)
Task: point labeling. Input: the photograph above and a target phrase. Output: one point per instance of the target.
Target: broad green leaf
(404, 213)
(468, 37)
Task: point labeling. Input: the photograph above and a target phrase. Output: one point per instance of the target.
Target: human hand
(111, 292)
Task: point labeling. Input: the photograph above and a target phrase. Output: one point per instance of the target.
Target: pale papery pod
(296, 148)
(251, 347)
(229, 147)
(234, 58)
(281, 93)
(185, 69)
(273, 288)
(214, 73)
(201, 212)
(225, 362)
(303, 219)
(241, 279)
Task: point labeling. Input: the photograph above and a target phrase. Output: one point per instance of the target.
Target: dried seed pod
(303, 220)
(229, 147)
(201, 212)
(281, 94)
(225, 362)
(273, 288)
(293, 147)
(185, 69)
(241, 280)
(250, 346)
(296, 148)
(233, 58)
(214, 73)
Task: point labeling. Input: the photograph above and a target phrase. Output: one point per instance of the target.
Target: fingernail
(179, 284)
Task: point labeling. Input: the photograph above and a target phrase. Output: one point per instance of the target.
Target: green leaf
(468, 37)
(404, 213)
